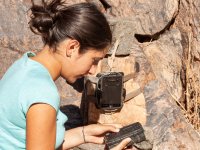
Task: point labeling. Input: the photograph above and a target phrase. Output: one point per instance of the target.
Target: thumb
(122, 144)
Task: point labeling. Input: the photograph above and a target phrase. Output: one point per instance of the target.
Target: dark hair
(55, 21)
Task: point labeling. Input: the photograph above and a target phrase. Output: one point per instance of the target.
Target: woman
(75, 39)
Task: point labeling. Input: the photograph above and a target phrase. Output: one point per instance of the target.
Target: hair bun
(41, 21)
(43, 16)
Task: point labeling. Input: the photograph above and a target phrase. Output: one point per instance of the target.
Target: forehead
(97, 53)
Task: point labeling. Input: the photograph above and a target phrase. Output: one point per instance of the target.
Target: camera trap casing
(110, 91)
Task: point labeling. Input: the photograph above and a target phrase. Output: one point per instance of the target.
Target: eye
(96, 61)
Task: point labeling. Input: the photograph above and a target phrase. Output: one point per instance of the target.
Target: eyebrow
(97, 58)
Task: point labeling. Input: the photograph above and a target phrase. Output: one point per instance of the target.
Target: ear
(71, 47)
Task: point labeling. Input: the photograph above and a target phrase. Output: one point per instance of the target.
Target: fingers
(111, 128)
(122, 145)
(102, 128)
(95, 132)
(115, 125)
(98, 140)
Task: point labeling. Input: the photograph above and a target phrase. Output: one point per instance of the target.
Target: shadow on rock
(74, 116)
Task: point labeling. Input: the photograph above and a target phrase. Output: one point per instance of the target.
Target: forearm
(73, 137)
(93, 133)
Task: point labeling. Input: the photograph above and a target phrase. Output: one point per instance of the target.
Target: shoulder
(38, 87)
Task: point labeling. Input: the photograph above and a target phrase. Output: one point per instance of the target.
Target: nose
(93, 70)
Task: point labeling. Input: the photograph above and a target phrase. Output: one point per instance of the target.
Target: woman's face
(80, 65)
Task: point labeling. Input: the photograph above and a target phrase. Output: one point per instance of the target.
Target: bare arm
(93, 133)
(73, 137)
(41, 127)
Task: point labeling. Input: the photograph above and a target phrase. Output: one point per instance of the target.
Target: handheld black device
(135, 131)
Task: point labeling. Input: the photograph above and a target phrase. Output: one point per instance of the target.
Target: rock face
(169, 51)
(15, 37)
(141, 18)
(155, 39)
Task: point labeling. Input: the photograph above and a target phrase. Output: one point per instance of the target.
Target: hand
(94, 133)
(122, 145)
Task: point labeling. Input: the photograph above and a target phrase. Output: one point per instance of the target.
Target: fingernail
(129, 139)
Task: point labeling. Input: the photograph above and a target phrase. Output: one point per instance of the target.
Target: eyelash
(95, 62)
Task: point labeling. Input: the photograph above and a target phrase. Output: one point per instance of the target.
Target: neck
(47, 58)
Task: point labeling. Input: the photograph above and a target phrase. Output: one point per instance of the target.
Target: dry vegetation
(192, 90)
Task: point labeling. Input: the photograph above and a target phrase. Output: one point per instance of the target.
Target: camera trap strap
(134, 93)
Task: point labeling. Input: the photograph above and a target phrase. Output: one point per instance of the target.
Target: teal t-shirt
(26, 82)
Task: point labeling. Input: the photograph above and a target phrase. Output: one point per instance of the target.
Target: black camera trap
(110, 91)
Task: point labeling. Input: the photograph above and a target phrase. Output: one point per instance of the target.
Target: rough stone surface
(169, 51)
(150, 17)
(161, 87)
(124, 32)
(146, 17)
(14, 29)
(169, 124)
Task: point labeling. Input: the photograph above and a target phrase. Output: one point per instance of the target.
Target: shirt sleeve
(36, 91)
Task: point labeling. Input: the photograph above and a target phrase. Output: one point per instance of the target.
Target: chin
(71, 81)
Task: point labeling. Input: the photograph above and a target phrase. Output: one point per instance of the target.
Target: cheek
(85, 66)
